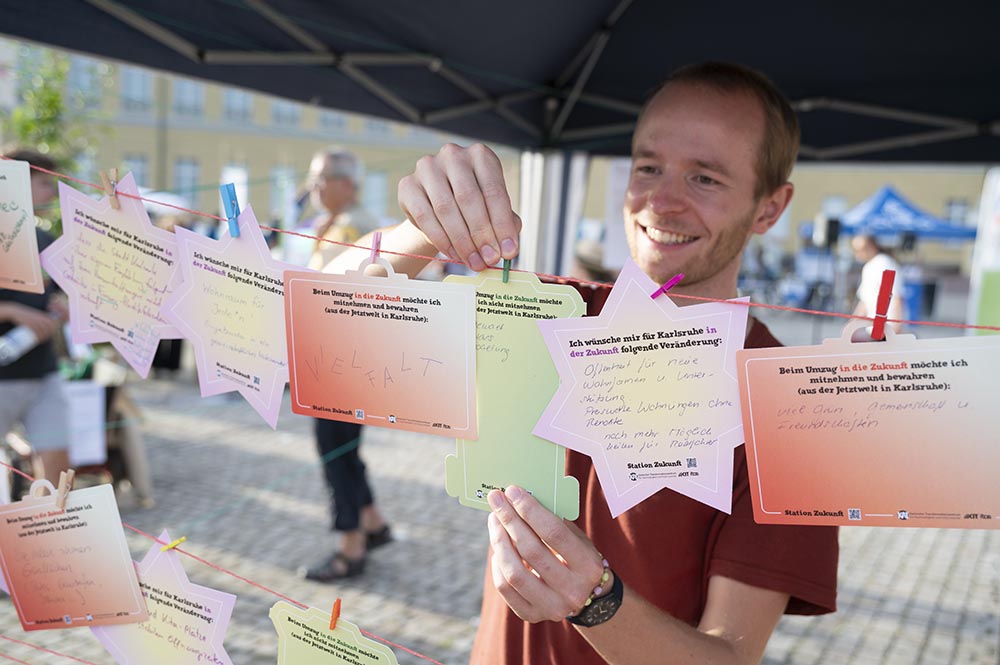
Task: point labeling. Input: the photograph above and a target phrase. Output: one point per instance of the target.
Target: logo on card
(692, 462)
(903, 514)
(633, 476)
(392, 419)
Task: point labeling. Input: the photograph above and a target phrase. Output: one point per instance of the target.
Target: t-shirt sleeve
(798, 560)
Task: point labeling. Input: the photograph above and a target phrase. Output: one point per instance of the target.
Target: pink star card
(187, 622)
(649, 390)
(117, 269)
(19, 265)
(231, 306)
(384, 351)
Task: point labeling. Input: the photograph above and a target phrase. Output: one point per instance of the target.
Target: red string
(783, 308)
(16, 660)
(35, 646)
(242, 579)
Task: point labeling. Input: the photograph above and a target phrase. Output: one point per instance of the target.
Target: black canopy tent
(910, 81)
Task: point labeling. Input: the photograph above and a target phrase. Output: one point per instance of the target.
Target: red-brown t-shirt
(666, 549)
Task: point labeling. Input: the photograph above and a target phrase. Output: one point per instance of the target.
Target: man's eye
(645, 168)
(705, 180)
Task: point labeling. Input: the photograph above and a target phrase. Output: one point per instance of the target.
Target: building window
(377, 126)
(334, 120)
(187, 174)
(138, 165)
(956, 210)
(136, 89)
(283, 204)
(237, 105)
(285, 113)
(189, 97)
(84, 82)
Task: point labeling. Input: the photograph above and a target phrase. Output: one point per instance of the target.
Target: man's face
(690, 205)
(331, 193)
(43, 190)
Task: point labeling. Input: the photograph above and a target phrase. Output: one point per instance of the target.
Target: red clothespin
(671, 283)
(882, 304)
(111, 187)
(65, 487)
(376, 246)
(335, 614)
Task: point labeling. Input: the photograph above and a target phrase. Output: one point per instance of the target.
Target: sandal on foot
(377, 539)
(336, 567)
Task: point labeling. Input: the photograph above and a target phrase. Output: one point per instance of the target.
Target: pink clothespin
(111, 187)
(882, 304)
(671, 283)
(376, 246)
(335, 614)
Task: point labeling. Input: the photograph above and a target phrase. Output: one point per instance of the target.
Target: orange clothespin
(671, 283)
(882, 304)
(335, 614)
(173, 543)
(65, 487)
(111, 187)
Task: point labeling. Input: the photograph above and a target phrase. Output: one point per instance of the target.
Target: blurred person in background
(31, 388)
(876, 260)
(334, 177)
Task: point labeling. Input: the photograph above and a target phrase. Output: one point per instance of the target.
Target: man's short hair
(33, 157)
(780, 144)
(342, 164)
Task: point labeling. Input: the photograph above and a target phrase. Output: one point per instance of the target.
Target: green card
(515, 380)
(989, 301)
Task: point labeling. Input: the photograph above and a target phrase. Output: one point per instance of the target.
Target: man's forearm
(403, 238)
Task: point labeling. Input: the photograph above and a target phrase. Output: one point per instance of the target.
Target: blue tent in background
(887, 213)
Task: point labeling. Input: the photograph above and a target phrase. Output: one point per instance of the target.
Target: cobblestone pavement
(251, 500)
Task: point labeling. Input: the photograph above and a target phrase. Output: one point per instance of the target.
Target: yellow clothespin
(111, 187)
(65, 487)
(335, 614)
(173, 543)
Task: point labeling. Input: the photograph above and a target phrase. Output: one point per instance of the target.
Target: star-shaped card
(305, 638)
(515, 379)
(383, 351)
(231, 306)
(648, 390)
(187, 622)
(895, 433)
(71, 567)
(20, 269)
(118, 269)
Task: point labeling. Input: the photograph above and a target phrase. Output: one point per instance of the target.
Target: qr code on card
(854, 514)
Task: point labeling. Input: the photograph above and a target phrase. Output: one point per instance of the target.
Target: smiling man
(677, 581)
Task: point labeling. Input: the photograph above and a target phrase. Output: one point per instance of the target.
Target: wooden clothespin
(173, 543)
(506, 270)
(376, 246)
(111, 187)
(335, 614)
(671, 283)
(882, 304)
(65, 487)
(232, 208)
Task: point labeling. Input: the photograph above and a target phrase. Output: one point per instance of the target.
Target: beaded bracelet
(605, 576)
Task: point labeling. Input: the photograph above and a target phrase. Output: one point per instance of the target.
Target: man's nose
(667, 196)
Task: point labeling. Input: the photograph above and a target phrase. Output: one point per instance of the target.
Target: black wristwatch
(600, 609)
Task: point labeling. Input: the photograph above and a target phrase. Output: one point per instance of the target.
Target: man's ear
(771, 206)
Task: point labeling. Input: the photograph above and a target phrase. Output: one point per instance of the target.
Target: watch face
(600, 610)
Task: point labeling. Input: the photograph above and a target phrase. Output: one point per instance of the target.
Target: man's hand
(458, 199)
(43, 325)
(543, 566)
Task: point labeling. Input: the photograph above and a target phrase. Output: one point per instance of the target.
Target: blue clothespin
(232, 207)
